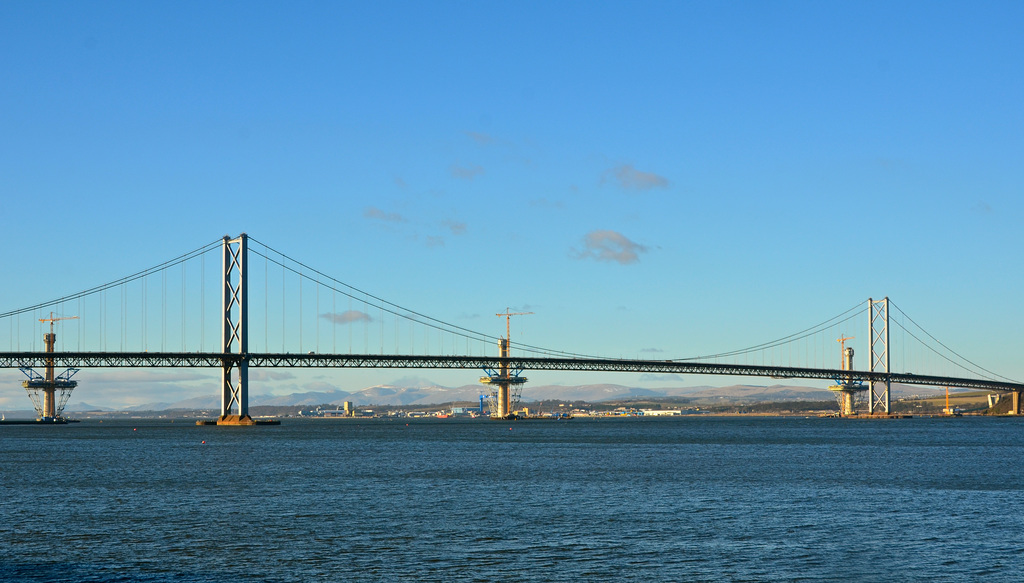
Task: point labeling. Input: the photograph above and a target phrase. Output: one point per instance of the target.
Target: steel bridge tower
(878, 354)
(234, 396)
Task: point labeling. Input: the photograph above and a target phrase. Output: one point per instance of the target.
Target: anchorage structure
(43, 390)
(506, 384)
(846, 388)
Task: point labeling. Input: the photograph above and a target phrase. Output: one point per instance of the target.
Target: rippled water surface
(683, 499)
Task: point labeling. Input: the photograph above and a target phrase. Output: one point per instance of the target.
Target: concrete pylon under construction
(505, 385)
(49, 407)
(846, 388)
(504, 388)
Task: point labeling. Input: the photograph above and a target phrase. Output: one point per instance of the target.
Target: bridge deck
(217, 360)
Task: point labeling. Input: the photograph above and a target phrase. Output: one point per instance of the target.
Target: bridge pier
(1015, 406)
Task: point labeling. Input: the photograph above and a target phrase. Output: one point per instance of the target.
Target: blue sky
(687, 177)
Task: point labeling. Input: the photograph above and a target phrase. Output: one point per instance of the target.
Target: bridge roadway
(217, 360)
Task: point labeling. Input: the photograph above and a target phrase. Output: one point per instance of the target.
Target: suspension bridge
(153, 319)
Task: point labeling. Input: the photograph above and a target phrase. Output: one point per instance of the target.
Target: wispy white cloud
(434, 241)
(982, 207)
(466, 172)
(136, 376)
(892, 163)
(605, 245)
(661, 378)
(347, 317)
(262, 374)
(456, 227)
(629, 178)
(480, 138)
(545, 203)
(651, 350)
(375, 213)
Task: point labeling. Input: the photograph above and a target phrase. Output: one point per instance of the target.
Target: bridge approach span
(286, 360)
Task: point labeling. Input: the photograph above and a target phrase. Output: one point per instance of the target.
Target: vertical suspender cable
(163, 310)
(145, 317)
(317, 314)
(183, 306)
(202, 302)
(266, 303)
(282, 304)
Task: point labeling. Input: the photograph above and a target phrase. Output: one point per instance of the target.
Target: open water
(670, 499)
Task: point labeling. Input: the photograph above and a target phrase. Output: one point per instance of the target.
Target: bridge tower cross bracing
(234, 407)
(878, 354)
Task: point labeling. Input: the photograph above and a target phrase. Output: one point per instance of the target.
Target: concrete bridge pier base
(1015, 406)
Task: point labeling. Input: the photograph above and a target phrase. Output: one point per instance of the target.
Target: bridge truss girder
(271, 360)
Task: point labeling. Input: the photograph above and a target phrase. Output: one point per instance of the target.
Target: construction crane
(52, 319)
(508, 320)
(842, 351)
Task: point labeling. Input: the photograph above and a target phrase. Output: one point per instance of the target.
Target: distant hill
(418, 391)
(591, 393)
(81, 407)
(309, 398)
(761, 394)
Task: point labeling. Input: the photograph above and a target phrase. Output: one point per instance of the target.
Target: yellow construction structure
(951, 411)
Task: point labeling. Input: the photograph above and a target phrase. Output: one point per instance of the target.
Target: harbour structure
(50, 392)
(846, 388)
